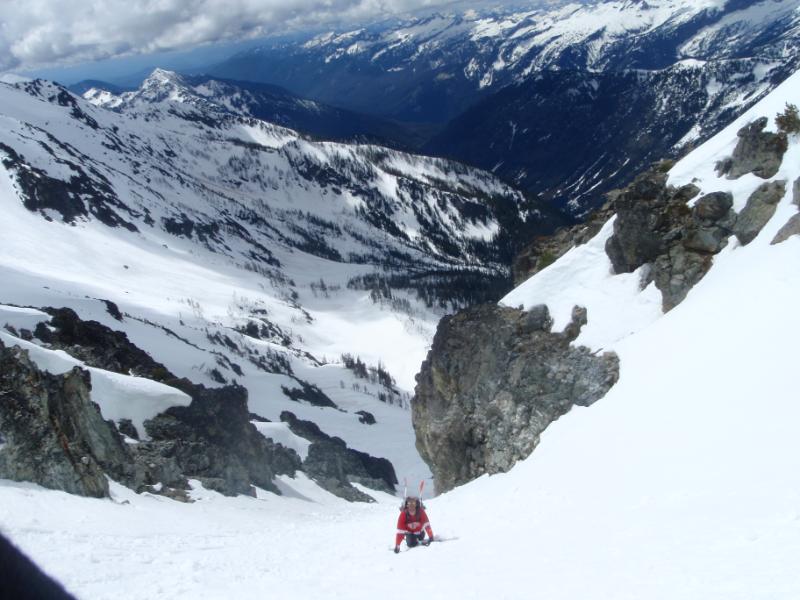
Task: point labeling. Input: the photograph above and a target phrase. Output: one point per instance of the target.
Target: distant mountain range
(661, 75)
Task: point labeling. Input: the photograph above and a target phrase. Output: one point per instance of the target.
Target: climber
(412, 524)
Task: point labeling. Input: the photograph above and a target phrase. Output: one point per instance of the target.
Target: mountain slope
(235, 251)
(677, 484)
(272, 104)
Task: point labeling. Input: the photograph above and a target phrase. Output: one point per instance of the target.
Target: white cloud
(38, 33)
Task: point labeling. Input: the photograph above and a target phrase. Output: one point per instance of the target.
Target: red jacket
(407, 523)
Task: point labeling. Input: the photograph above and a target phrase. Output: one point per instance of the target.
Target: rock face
(212, 440)
(760, 207)
(97, 345)
(792, 226)
(52, 433)
(335, 467)
(654, 226)
(758, 152)
(493, 380)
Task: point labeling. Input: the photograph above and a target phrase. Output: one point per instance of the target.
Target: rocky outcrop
(97, 345)
(758, 152)
(654, 226)
(792, 226)
(211, 440)
(759, 210)
(52, 433)
(335, 467)
(649, 217)
(493, 380)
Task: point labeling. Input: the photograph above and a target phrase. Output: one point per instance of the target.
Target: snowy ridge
(501, 45)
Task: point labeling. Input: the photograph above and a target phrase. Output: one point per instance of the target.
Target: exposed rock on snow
(335, 467)
(656, 227)
(212, 440)
(494, 379)
(760, 207)
(54, 434)
(758, 152)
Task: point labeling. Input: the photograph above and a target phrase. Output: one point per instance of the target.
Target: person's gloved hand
(426, 542)
(396, 549)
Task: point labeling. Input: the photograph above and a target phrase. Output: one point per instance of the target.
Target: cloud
(39, 33)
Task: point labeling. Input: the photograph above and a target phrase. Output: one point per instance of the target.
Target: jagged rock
(758, 152)
(655, 226)
(126, 427)
(649, 216)
(676, 272)
(334, 466)
(493, 380)
(53, 434)
(759, 210)
(366, 417)
(792, 227)
(97, 345)
(214, 441)
(211, 440)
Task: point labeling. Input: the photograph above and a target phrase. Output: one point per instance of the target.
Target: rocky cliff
(53, 434)
(496, 377)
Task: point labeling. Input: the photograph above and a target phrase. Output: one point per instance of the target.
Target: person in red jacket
(413, 525)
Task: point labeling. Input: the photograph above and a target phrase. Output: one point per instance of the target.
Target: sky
(36, 34)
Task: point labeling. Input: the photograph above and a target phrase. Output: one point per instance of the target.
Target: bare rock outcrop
(493, 380)
(51, 433)
(335, 467)
(760, 208)
(758, 152)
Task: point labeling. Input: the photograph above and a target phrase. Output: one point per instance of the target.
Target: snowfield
(682, 483)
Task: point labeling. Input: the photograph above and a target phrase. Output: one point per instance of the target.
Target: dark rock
(490, 386)
(212, 440)
(54, 435)
(796, 193)
(758, 152)
(310, 393)
(792, 227)
(97, 345)
(334, 466)
(366, 417)
(646, 215)
(713, 207)
(654, 226)
(759, 210)
(677, 272)
(126, 427)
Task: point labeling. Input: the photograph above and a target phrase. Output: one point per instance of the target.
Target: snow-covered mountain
(678, 483)
(258, 100)
(235, 251)
(434, 66)
(566, 100)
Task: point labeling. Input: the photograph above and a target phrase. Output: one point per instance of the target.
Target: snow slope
(680, 483)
